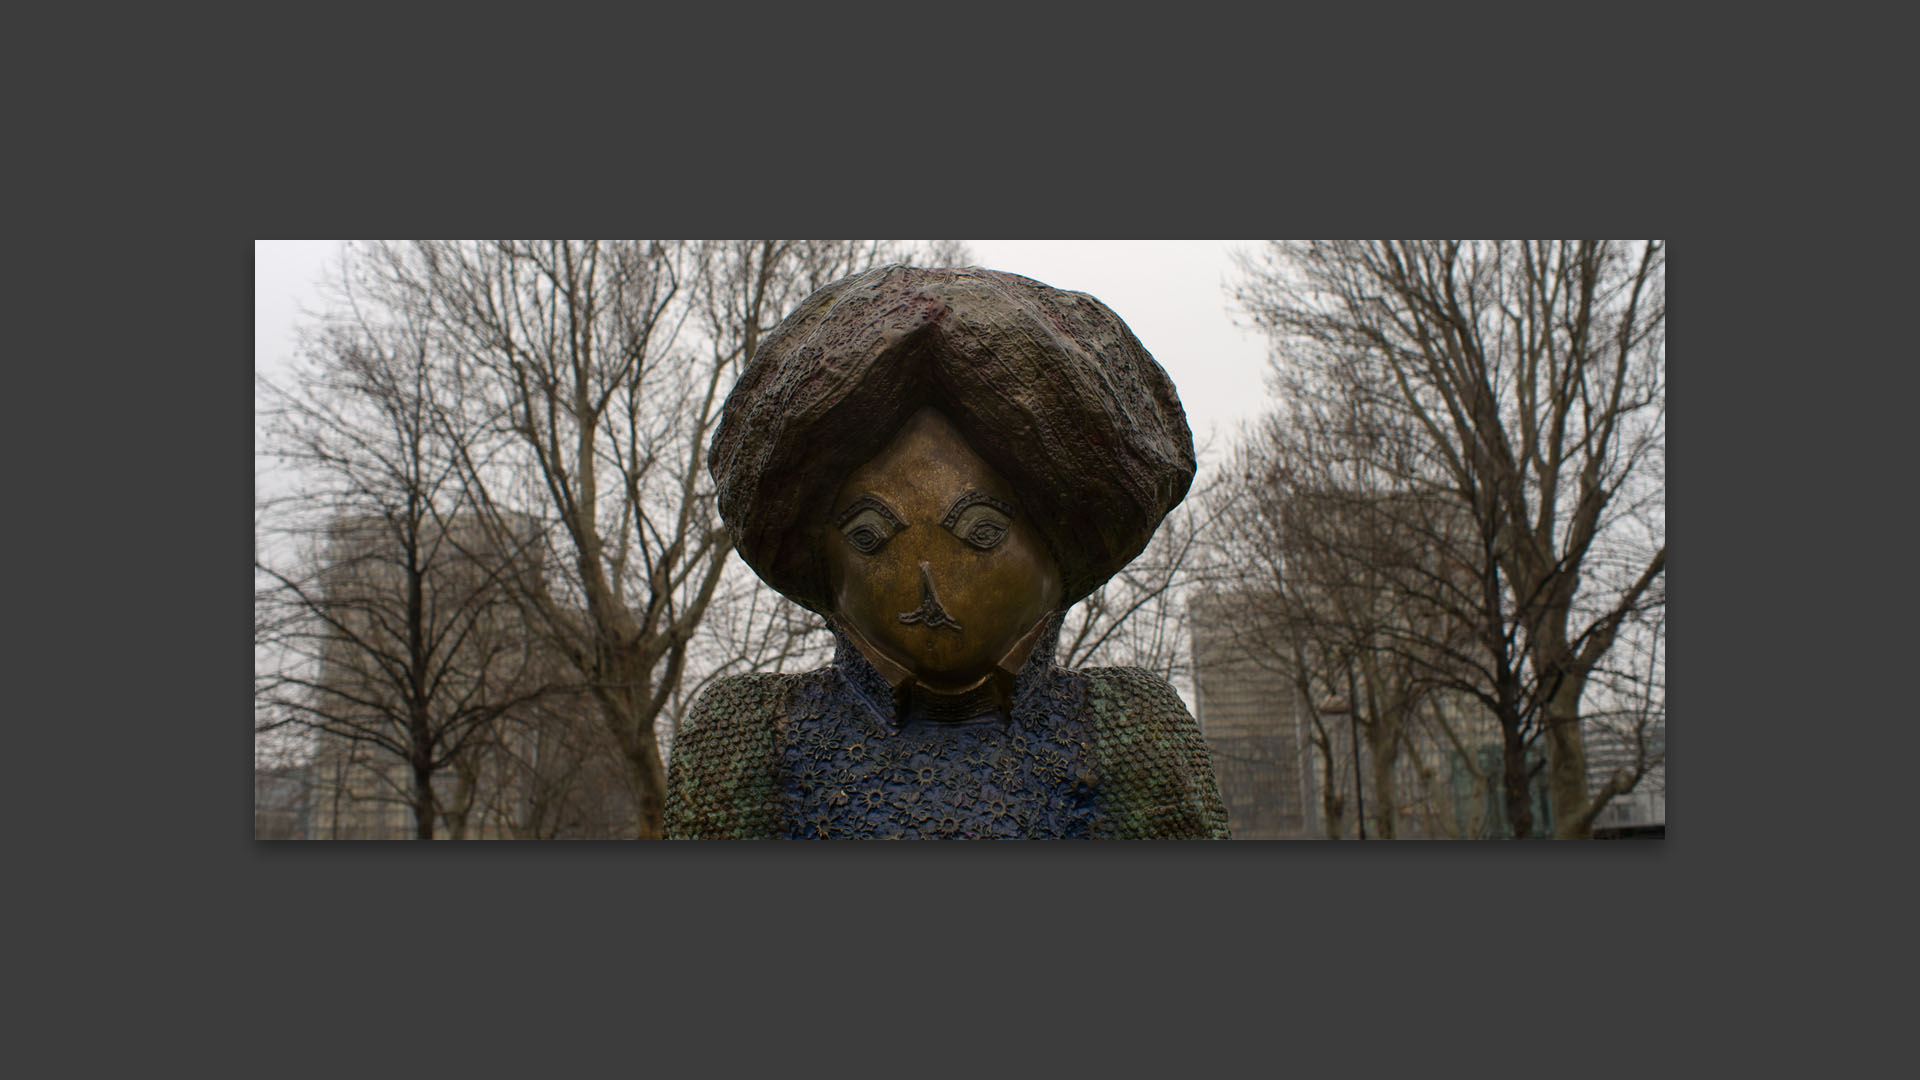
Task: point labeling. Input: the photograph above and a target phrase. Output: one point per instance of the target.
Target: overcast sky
(1169, 291)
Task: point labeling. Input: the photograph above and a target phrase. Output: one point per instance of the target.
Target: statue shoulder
(1158, 780)
(1147, 697)
(724, 781)
(735, 701)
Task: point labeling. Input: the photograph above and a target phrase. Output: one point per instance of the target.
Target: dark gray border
(686, 953)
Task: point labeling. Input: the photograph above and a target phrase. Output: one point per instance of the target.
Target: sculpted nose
(929, 612)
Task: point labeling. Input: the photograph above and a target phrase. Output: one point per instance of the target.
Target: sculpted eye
(979, 519)
(867, 533)
(868, 524)
(984, 533)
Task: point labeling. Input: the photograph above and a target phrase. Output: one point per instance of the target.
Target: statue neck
(899, 697)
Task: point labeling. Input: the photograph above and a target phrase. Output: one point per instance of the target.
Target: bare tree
(1139, 617)
(1334, 565)
(373, 629)
(1256, 685)
(750, 628)
(556, 773)
(597, 370)
(1515, 396)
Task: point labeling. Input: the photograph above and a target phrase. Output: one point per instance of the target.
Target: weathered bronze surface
(941, 461)
(1047, 387)
(956, 578)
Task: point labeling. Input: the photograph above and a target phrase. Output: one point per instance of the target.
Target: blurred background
(1417, 590)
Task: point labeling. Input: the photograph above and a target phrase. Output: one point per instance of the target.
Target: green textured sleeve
(1156, 775)
(724, 780)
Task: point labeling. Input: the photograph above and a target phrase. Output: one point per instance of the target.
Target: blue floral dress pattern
(1099, 752)
(854, 770)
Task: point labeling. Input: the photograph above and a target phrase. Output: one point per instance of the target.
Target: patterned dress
(1098, 753)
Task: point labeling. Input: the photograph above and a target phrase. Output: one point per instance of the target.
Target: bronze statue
(940, 462)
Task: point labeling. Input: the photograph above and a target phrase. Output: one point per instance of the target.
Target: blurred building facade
(1257, 729)
(280, 802)
(1641, 812)
(541, 769)
(1277, 755)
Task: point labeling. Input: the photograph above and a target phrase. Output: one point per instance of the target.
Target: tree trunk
(649, 796)
(1567, 791)
(422, 802)
(1385, 750)
(1567, 770)
(1519, 793)
(646, 776)
(1332, 806)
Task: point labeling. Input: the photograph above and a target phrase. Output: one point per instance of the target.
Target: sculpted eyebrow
(973, 498)
(868, 502)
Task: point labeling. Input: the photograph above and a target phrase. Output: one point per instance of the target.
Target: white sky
(1170, 292)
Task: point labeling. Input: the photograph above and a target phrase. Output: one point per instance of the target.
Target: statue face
(931, 561)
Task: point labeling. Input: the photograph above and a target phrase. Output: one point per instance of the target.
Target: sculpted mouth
(929, 612)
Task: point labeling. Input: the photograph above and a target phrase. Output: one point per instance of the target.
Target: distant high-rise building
(1373, 586)
(1641, 812)
(1255, 726)
(1278, 756)
(539, 769)
(280, 802)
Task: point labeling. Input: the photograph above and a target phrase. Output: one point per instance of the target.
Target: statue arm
(1157, 774)
(724, 778)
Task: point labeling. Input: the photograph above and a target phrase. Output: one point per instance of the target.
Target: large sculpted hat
(1048, 386)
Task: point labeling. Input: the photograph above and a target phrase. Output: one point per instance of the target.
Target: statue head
(938, 460)
(933, 564)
